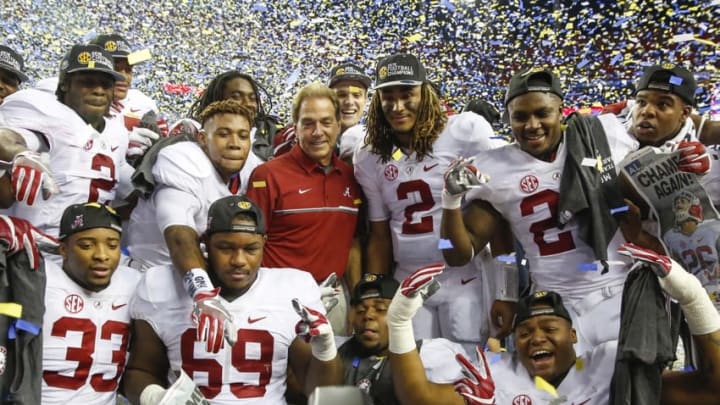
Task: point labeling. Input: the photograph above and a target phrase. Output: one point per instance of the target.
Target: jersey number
(426, 202)
(98, 162)
(257, 363)
(699, 258)
(564, 240)
(83, 355)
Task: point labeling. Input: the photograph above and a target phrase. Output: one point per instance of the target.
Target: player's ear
(573, 335)
(62, 250)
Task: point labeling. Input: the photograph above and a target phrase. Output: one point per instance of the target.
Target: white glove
(329, 292)
(460, 177)
(413, 291)
(182, 392)
(315, 329)
(685, 288)
(139, 141)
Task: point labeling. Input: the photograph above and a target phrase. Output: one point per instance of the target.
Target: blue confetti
(444, 244)
(618, 210)
(588, 267)
(676, 80)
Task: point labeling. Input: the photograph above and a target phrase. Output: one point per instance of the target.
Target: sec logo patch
(529, 183)
(391, 172)
(522, 400)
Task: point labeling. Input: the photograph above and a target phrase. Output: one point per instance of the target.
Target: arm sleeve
(364, 166)
(175, 207)
(438, 357)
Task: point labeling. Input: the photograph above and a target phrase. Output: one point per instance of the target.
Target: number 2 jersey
(526, 191)
(253, 371)
(85, 337)
(406, 191)
(87, 166)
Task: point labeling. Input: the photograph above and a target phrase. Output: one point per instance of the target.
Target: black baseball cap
(12, 62)
(534, 79)
(349, 71)
(671, 78)
(374, 286)
(540, 303)
(401, 69)
(222, 212)
(116, 45)
(81, 217)
(88, 58)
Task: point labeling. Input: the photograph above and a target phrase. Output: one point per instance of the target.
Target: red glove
(18, 235)
(31, 176)
(477, 387)
(315, 329)
(422, 281)
(693, 157)
(163, 127)
(212, 319)
(661, 264)
(185, 126)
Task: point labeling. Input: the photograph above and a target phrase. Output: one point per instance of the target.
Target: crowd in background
(471, 48)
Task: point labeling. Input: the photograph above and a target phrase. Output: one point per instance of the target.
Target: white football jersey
(407, 192)
(135, 105)
(87, 166)
(85, 337)
(254, 370)
(526, 191)
(588, 383)
(186, 183)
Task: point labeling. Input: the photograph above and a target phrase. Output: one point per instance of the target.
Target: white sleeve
(33, 140)
(438, 358)
(125, 186)
(619, 141)
(364, 163)
(175, 207)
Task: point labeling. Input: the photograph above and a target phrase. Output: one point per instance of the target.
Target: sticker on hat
(340, 71)
(84, 58)
(111, 46)
(382, 74)
(370, 277)
(244, 205)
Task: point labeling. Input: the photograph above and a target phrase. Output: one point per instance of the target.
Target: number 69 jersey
(253, 371)
(407, 191)
(86, 165)
(85, 337)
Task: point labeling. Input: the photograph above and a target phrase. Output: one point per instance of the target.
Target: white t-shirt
(407, 192)
(87, 166)
(526, 191)
(254, 370)
(85, 337)
(587, 383)
(186, 184)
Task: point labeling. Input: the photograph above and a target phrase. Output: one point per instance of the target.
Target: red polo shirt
(310, 215)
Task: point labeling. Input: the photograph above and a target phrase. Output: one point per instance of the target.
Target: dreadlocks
(431, 120)
(214, 92)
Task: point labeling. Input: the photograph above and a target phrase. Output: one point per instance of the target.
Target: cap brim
(399, 83)
(353, 78)
(117, 76)
(19, 74)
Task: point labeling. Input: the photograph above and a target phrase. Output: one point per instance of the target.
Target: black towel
(21, 379)
(589, 192)
(646, 343)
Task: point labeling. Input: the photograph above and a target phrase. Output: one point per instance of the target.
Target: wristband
(323, 347)
(449, 201)
(151, 394)
(197, 280)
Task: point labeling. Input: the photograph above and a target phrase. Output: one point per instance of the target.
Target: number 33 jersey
(406, 191)
(85, 337)
(253, 371)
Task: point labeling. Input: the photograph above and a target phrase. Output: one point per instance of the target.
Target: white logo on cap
(395, 69)
(7, 59)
